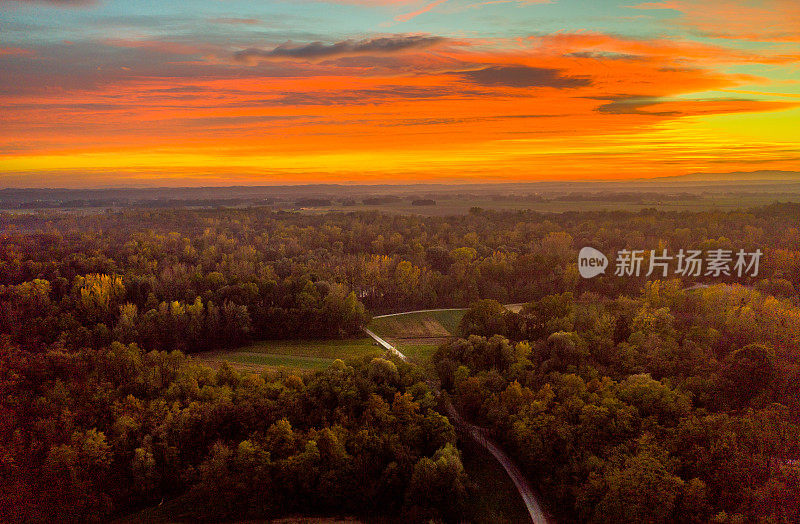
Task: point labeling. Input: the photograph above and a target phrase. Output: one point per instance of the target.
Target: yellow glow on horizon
(676, 146)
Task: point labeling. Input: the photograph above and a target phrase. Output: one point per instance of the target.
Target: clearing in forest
(418, 334)
(299, 355)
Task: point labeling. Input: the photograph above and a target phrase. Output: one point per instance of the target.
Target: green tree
(747, 372)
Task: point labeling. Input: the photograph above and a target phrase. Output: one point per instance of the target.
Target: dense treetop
(623, 399)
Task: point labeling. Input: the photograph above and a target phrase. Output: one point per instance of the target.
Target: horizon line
(697, 177)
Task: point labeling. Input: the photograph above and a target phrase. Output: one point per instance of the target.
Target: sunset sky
(227, 92)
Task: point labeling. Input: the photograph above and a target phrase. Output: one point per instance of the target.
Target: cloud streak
(236, 21)
(523, 76)
(320, 51)
(408, 16)
(755, 20)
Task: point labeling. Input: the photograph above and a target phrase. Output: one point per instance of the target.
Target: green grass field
(300, 355)
(278, 361)
(417, 335)
(326, 349)
(432, 324)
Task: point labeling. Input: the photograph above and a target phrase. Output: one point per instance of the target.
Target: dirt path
(525, 490)
(478, 434)
(385, 344)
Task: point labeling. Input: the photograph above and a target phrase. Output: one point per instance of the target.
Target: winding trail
(525, 490)
(478, 434)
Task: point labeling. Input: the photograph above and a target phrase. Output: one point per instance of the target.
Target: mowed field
(418, 334)
(296, 355)
(415, 334)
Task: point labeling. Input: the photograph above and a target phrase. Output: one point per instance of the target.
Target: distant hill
(783, 185)
(738, 176)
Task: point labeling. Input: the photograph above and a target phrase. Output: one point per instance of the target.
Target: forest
(622, 399)
(672, 406)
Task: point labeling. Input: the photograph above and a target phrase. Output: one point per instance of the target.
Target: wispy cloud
(14, 51)
(486, 3)
(408, 16)
(236, 21)
(649, 106)
(756, 20)
(319, 50)
(523, 76)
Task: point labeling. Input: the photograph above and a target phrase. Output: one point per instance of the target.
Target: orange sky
(670, 91)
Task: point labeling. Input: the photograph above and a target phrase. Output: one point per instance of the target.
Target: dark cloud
(632, 105)
(603, 55)
(522, 76)
(438, 121)
(236, 21)
(320, 50)
(370, 96)
(643, 105)
(233, 121)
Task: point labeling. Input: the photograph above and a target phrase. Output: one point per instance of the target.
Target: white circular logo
(591, 262)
